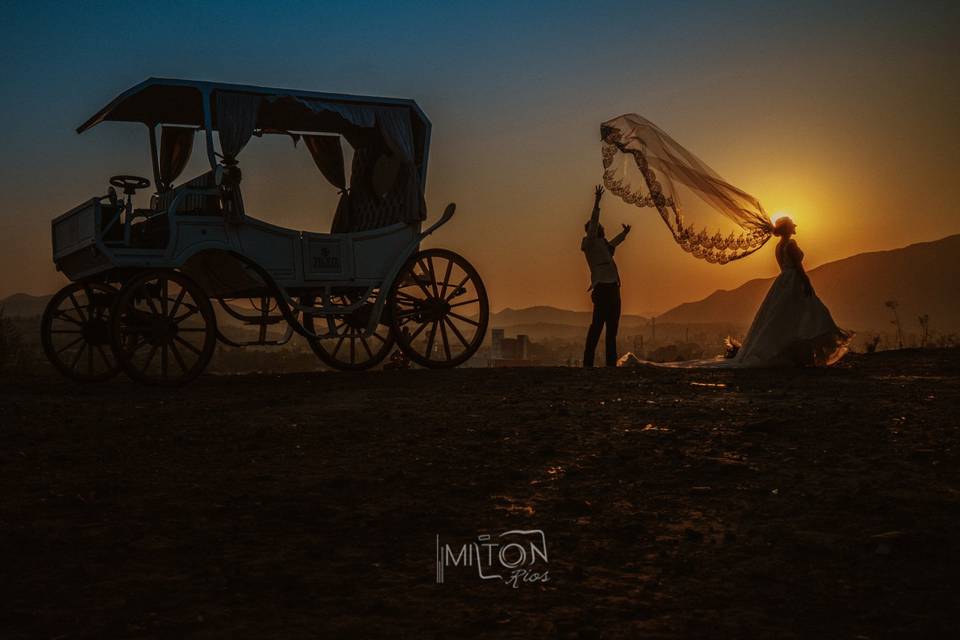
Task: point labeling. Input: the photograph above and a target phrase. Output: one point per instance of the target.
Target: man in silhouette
(604, 284)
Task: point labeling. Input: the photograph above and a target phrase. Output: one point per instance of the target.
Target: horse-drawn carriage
(147, 284)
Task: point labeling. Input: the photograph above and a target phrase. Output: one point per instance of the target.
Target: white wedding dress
(791, 328)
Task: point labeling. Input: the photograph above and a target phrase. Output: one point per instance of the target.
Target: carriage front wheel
(163, 328)
(75, 332)
(438, 309)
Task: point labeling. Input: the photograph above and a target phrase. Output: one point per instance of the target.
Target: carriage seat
(193, 203)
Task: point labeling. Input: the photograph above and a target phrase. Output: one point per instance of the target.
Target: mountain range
(23, 305)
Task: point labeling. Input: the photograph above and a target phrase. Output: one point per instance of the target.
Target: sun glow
(779, 214)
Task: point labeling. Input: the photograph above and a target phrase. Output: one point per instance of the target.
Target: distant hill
(923, 278)
(23, 305)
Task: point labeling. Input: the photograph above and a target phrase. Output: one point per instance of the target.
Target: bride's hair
(782, 225)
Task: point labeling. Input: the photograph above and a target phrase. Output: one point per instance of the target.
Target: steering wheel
(129, 184)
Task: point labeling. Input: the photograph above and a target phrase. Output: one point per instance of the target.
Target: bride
(647, 168)
(792, 326)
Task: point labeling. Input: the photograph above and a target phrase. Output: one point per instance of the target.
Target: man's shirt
(599, 255)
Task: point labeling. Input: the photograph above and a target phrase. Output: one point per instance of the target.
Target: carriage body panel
(292, 258)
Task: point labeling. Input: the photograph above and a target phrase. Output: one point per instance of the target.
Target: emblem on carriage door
(325, 256)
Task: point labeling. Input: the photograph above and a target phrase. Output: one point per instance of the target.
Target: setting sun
(779, 214)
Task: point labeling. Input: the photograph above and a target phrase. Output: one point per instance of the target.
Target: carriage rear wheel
(350, 349)
(163, 328)
(75, 332)
(438, 309)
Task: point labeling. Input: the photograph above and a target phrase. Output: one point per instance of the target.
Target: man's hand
(598, 193)
(626, 228)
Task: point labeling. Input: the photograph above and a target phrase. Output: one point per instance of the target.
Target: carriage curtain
(236, 120)
(405, 202)
(327, 154)
(645, 167)
(394, 124)
(176, 145)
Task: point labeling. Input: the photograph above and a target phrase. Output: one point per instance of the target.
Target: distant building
(510, 352)
(496, 348)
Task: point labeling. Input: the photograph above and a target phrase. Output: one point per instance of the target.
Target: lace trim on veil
(661, 162)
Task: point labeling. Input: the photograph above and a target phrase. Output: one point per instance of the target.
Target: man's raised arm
(620, 237)
(594, 223)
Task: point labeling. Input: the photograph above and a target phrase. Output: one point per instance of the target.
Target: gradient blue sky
(842, 114)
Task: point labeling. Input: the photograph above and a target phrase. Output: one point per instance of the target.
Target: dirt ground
(706, 504)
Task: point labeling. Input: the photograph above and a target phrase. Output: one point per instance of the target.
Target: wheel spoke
(176, 303)
(366, 346)
(193, 310)
(90, 359)
(417, 332)
(91, 308)
(446, 342)
(164, 292)
(77, 308)
(433, 336)
(62, 315)
(446, 279)
(64, 348)
(456, 332)
(149, 300)
(339, 344)
(152, 353)
(417, 282)
(457, 288)
(460, 304)
(76, 358)
(164, 360)
(178, 357)
(103, 354)
(464, 318)
(433, 276)
(188, 345)
(353, 349)
(404, 294)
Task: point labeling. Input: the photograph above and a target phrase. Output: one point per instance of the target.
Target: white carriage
(147, 283)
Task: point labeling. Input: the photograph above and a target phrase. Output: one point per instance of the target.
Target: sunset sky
(844, 115)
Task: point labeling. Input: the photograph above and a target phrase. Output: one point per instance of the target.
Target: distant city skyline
(845, 118)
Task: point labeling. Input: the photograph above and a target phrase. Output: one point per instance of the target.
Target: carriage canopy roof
(224, 107)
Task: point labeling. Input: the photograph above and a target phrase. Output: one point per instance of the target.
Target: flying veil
(645, 167)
